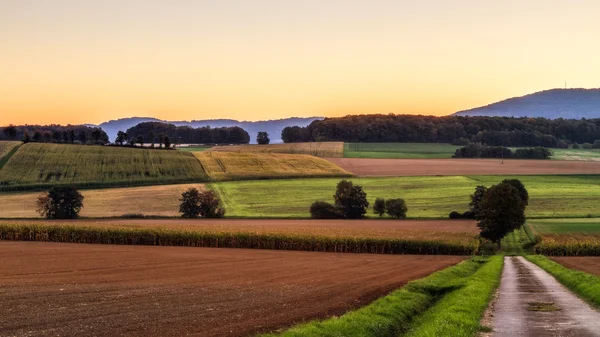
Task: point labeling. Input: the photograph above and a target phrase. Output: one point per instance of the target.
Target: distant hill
(554, 103)
(272, 127)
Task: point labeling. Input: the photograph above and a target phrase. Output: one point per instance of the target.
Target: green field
(564, 226)
(427, 197)
(6, 149)
(194, 148)
(399, 150)
(570, 154)
(37, 165)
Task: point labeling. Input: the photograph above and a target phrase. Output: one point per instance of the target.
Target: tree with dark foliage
(10, 132)
(396, 208)
(200, 204)
(121, 138)
(350, 200)
(60, 203)
(323, 210)
(520, 187)
(379, 207)
(262, 138)
(476, 198)
(501, 211)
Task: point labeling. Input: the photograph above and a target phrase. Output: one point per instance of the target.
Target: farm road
(532, 303)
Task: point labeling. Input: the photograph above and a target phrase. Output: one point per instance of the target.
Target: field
(244, 166)
(365, 167)
(588, 264)
(194, 148)
(399, 150)
(6, 147)
(161, 200)
(427, 197)
(318, 149)
(174, 291)
(563, 226)
(37, 165)
(571, 154)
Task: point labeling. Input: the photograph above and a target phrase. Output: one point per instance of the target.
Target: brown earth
(367, 167)
(588, 264)
(104, 290)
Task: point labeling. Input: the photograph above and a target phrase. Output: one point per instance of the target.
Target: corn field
(170, 237)
(37, 165)
(6, 149)
(569, 245)
(317, 149)
(244, 165)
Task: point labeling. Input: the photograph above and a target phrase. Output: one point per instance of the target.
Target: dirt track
(103, 290)
(366, 167)
(588, 264)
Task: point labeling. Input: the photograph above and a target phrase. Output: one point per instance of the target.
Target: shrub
(596, 144)
(350, 200)
(396, 208)
(200, 204)
(576, 146)
(468, 215)
(379, 206)
(323, 210)
(586, 146)
(455, 215)
(60, 203)
(533, 153)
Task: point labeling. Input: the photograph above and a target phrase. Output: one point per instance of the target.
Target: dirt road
(52, 289)
(532, 303)
(367, 167)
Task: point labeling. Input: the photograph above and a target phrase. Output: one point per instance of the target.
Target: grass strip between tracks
(225, 239)
(585, 285)
(450, 302)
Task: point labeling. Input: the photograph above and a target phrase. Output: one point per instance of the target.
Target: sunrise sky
(88, 61)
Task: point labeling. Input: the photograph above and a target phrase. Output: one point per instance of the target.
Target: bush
(379, 206)
(468, 215)
(455, 215)
(396, 208)
(477, 150)
(350, 200)
(200, 204)
(461, 141)
(533, 153)
(323, 210)
(596, 144)
(60, 203)
(576, 146)
(586, 146)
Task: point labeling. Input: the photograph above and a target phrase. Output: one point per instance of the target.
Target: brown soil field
(588, 264)
(318, 149)
(104, 290)
(367, 167)
(444, 230)
(160, 200)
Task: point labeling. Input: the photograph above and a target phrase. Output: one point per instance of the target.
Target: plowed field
(588, 264)
(105, 290)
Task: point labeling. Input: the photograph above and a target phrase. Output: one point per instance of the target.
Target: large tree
(501, 211)
(516, 183)
(262, 138)
(350, 200)
(60, 203)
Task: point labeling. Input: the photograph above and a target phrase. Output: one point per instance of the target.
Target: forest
(493, 131)
(69, 134)
(151, 132)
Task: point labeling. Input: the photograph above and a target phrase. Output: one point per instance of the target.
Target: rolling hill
(554, 103)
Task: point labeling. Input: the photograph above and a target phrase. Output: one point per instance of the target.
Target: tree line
(493, 131)
(157, 132)
(70, 134)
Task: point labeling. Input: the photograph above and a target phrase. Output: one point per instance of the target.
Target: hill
(272, 127)
(552, 104)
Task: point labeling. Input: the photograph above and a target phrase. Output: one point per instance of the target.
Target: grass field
(243, 165)
(571, 154)
(6, 147)
(399, 150)
(318, 149)
(37, 165)
(565, 226)
(427, 197)
(194, 148)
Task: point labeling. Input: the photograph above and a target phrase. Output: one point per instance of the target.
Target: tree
(167, 142)
(37, 136)
(476, 198)
(520, 187)
(26, 138)
(379, 206)
(396, 208)
(121, 137)
(60, 203)
(97, 135)
(10, 132)
(140, 139)
(200, 204)
(151, 136)
(501, 211)
(350, 200)
(82, 137)
(323, 210)
(56, 136)
(262, 138)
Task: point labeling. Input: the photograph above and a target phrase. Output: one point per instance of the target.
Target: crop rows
(242, 165)
(318, 149)
(169, 237)
(37, 165)
(6, 148)
(569, 245)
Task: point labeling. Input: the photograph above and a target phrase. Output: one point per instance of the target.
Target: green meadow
(427, 197)
(565, 226)
(399, 150)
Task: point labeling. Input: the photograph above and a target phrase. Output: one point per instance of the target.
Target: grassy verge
(583, 284)
(223, 239)
(517, 243)
(399, 312)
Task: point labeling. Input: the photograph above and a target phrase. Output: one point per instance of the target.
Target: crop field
(366, 167)
(399, 150)
(565, 226)
(194, 148)
(37, 165)
(159, 200)
(172, 291)
(245, 165)
(6, 147)
(588, 264)
(576, 154)
(427, 197)
(569, 245)
(317, 149)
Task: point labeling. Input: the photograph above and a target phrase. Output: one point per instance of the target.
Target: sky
(89, 61)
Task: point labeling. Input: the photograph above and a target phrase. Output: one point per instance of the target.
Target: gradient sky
(76, 61)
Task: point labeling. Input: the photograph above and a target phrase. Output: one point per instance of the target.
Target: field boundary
(10, 153)
(229, 239)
